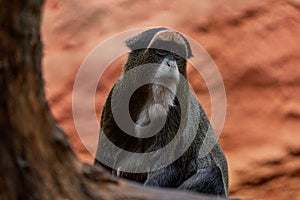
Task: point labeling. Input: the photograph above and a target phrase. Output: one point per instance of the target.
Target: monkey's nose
(171, 63)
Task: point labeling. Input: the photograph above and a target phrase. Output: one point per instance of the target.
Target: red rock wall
(255, 44)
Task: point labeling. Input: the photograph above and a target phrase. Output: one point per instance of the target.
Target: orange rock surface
(256, 46)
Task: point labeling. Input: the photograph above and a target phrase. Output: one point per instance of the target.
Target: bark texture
(36, 160)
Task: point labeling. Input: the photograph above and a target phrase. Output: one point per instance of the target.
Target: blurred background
(254, 43)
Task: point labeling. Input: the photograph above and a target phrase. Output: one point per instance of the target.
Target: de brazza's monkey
(165, 138)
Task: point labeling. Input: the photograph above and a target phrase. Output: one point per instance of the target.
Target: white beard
(156, 109)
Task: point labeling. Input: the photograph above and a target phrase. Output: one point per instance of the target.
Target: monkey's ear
(142, 40)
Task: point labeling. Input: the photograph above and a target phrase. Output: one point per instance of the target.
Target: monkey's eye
(161, 52)
(176, 56)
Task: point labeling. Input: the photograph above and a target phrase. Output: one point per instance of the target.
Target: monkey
(166, 100)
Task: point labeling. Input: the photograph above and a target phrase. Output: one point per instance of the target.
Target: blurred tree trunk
(36, 161)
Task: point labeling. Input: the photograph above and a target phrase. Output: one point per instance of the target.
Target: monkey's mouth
(168, 78)
(171, 78)
(167, 75)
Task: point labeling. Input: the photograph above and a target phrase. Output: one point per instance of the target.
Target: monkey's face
(161, 46)
(168, 71)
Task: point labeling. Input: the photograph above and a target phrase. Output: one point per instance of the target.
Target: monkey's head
(161, 46)
(167, 52)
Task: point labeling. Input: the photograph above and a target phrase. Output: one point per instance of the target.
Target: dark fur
(206, 175)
